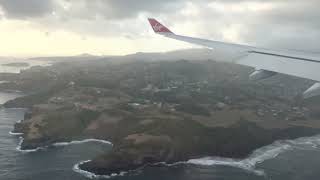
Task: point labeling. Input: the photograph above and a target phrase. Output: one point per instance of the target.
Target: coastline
(18, 148)
(76, 168)
(258, 155)
(249, 164)
(148, 123)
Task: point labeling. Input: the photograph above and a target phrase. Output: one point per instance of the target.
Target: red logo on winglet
(158, 27)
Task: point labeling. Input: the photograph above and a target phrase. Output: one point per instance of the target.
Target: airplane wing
(266, 62)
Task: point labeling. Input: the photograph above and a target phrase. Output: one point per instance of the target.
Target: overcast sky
(116, 27)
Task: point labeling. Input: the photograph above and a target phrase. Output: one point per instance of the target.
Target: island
(159, 111)
(17, 64)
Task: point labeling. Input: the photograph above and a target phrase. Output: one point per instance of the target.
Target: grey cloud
(87, 9)
(296, 13)
(26, 8)
(122, 8)
(119, 9)
(290, 24)
(108, 17)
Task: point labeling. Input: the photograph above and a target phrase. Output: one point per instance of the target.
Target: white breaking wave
(60, 144)
(28, 150)
(15, 134)
(91, 175)
(260, 155)
(87, 174)
(81, 142)
(18, 148)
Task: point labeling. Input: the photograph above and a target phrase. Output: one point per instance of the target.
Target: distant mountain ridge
(186, 54)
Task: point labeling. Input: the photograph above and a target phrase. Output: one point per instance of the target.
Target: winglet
(158, 27)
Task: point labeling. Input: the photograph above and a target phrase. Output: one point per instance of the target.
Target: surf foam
(81, 142)
(15, 134)
(60, 144)
(91, 175)
(28, 150)
(260, 155)
(248, 164)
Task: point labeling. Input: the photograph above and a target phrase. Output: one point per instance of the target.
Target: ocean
(292, 159)
(14, 69)
(49, 164)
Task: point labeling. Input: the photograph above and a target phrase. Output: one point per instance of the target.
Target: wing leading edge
(266, 62)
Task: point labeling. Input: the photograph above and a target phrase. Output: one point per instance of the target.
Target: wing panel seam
(284, 56)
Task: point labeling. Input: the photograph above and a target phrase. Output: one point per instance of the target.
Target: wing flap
(282, 64)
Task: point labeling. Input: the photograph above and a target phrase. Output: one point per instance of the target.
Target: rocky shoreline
(130, 158)
(157, 112)
(239, 142)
